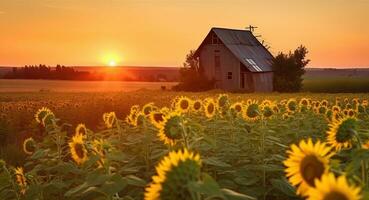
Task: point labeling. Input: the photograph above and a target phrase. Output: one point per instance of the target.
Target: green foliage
(288, 70)
(240, 159)
(192, 77)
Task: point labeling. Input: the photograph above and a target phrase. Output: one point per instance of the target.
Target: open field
(330, 84)
(336, 84)
(242, 153)
(17, 85)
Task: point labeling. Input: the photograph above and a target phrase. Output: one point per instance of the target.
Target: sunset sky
(161, 32)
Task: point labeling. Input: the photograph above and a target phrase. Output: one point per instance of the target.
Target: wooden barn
(236, 60)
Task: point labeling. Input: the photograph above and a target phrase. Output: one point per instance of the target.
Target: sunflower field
(199, 147)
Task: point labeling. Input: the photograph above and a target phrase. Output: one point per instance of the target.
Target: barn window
(229, 75)
(215, 39)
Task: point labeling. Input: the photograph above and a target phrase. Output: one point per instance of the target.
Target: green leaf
(215, 162)
(208, 186)
(283, 186)
(232, 195)
(134, 180)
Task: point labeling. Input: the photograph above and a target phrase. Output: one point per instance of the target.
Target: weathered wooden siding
(228, 63)
(263, 81)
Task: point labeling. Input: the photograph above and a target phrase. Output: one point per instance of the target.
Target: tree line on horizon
(61, 72)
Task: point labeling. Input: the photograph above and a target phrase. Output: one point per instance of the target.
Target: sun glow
(112, 63)
(111, 59)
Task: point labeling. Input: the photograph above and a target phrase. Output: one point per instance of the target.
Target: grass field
(336, 84)
(242, 154)
(315, 83)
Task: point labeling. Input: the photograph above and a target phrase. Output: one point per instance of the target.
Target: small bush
(288, 70)
(192, 77)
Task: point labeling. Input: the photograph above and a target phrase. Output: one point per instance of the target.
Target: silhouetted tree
(192, 77)
(288, 70)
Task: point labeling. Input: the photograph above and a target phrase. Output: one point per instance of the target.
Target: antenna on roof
(251, 28)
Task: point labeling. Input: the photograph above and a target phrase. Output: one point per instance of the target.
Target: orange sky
(161, 32)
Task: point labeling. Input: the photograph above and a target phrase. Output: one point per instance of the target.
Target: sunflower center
(79, 148)
(197, 105)
(345, 131)
(82, 131)
(147, 110)
(158, 117)
(238, 108)
(292, 106)
(172, 128)
(311, 168)
(304, 102)
(252, 111)
(184, 105)
(335, 195)
(322, 109)
(267, 112)
(210, 108)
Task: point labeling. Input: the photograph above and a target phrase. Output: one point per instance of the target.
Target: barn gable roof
(244, 45)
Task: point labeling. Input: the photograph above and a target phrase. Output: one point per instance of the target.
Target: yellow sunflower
(48, 119)
(131, 117)
(306, 163)
(267, 111)
(266, 102)
(237, 107)
(331, 188)
(341, 132)
(173, 174)
(336, 108)
(365, 102)
(196, 106)
(223, 101)
(346, 100)
(81, 129)
(210, 108)
(351, 112)
(157, 118)
(98, 147)
(78, 149)
(252, 111)
(41, 113)
(322, 109)
(183, 104)
(109, 119)
(165, 110)
(324, 103)
(21, 179)
(171, 129)
(292, 105)
(29, 146)
(148, 108)
(304, 102)
(140, 119)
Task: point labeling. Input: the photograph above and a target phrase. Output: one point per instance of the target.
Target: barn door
(247, 82)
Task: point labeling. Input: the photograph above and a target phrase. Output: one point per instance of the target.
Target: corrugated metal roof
(244, 45)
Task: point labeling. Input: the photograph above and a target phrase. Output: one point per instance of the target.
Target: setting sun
(112, 63)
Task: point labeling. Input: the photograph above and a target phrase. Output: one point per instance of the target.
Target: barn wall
(228, 63)
(263, 82)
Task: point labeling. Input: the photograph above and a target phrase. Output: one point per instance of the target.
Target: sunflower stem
(363, 163)
(12, 181)
(184, 135)
(263, 155)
